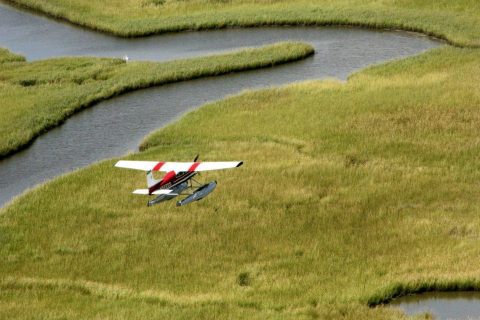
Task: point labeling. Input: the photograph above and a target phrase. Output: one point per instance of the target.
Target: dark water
(442, 305)
(115, 127)
(38, 37)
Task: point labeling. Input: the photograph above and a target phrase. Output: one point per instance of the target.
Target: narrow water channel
(116, 126)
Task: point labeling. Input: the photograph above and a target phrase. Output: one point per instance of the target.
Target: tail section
(151, 181)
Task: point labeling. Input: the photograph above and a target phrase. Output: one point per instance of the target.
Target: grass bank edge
(401, 289)
(262, 15)
(262, 57)
(7, 56)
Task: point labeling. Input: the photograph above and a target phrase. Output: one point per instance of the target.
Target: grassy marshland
(36, 96)
(456, 20)
(351, 193)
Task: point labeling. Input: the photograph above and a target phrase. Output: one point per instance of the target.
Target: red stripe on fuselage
(166, 179)
(182, 177)
(193, 167)
(158, 166)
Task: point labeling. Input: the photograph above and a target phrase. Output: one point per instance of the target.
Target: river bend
(116, 126)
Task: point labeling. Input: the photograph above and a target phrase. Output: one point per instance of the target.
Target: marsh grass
(456, 21)
(351, 194)
(36, 96)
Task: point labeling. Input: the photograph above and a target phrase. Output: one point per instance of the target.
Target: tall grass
(36, 96)
(349, 193)
(456, 21)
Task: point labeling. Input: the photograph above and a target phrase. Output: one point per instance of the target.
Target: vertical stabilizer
(151, 181)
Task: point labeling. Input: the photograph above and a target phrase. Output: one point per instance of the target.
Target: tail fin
(151, 181)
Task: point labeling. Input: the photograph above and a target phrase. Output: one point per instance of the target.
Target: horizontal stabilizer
(164, 191)
(146, 192)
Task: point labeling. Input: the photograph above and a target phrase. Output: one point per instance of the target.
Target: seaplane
(178, 179)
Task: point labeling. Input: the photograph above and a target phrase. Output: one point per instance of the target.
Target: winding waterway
(116, 126)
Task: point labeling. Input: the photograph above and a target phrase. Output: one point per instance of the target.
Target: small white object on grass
(125, 58)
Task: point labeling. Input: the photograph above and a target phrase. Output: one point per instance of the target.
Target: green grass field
(456, 21)
(350, 193)
(37, 96)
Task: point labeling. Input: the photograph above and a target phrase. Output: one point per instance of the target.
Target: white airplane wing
(177, 166)
(138, 165)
